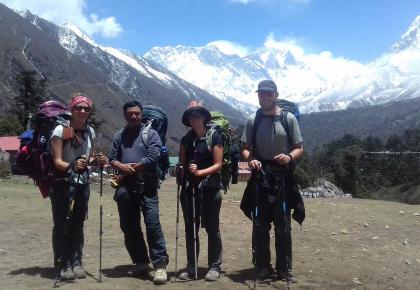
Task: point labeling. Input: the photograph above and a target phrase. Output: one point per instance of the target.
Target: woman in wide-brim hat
(202, 163)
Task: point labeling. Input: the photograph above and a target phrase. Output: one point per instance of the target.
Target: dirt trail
(344, 244)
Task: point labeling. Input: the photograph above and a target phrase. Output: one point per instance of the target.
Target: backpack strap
(282, 118)
(145, 133)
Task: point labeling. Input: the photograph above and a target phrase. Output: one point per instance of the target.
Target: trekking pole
(284, 205)
(254, 217)
(100, 222)
(178, 181)
(195, 232)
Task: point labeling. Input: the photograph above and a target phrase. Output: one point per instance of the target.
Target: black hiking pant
(207, 209)
(272, 211)
(67, 233)
(130, 204)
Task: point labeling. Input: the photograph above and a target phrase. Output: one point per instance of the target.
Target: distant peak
(411, 38)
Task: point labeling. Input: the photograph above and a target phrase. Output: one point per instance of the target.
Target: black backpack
(156, 118)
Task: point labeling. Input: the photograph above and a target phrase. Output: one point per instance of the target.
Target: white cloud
(230, 48)
(71, 11)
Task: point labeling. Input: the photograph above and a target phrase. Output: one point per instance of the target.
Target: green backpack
(219, 122)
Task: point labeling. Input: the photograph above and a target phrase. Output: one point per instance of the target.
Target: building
(9, 144)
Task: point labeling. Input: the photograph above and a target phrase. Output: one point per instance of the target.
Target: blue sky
(359, 30)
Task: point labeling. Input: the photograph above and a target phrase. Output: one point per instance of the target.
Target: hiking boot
(212, 275)
(160, 276)
(142, 268)
(264, 273)
(78, 271)
(66, 273)
(187, 275)
(286, 276)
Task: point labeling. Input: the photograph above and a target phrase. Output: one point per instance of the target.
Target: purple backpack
(34, 155)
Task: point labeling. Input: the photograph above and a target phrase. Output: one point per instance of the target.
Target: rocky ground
(344, 244)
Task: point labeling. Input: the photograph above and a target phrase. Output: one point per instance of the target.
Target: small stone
(394, 278)
(334, 233)
(418, 261)
(365, 225)
(371, 217)
(405, 242)
(408, 262)
(386, 227)
(2, 252)
(364, 250)
(354, 256)
(357, 281)
(375, 238)
(343, 232)
(401, 212)
(317, 251)
(416, 214)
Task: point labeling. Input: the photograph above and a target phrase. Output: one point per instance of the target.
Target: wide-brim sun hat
(196, 109)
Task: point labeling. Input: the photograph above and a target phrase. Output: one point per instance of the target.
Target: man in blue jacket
(135, 154)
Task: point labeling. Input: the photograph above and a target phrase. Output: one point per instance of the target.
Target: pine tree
(32, 92)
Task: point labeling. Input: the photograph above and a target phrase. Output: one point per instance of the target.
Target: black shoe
(286, 276)
(264, 273)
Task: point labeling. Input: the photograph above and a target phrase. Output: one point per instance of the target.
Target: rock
(365, 225)
(322, 188)
(408, 262)
(387, 227)
(405, 242)
(317, 251)
(364, 250)
(334, 233)
(375, 238)
(416, 214)
(343, 232)
(2, 252)
(401, 212)
(356, 281)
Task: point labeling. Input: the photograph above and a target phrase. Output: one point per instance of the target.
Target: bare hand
(255, 164)
(192, 168)
(127, 168)
(282, 159)
(102, 159)
(80, 165)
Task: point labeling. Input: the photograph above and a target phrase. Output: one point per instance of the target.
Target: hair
(133, 103)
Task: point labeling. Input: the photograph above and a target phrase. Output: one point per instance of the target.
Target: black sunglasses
(79, 109)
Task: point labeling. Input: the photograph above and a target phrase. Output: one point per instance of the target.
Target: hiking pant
(272, 212)
(207, 209)
(67, 233)
(129, 208)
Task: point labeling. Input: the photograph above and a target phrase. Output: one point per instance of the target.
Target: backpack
(34, 155)
(219, 123)
(287, 107)
(156, 118)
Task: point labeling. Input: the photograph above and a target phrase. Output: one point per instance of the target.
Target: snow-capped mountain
(318, 82)
(73, 62)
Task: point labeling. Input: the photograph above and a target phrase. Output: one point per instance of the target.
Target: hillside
(378, 121)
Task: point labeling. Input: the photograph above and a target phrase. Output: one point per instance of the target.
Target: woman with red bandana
(72, 147)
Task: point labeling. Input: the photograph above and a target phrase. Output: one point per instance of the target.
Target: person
(271, 149)
(138, 190)
(71, 149)
(202, 187)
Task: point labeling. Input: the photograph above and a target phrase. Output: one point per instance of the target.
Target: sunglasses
(80, 108)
